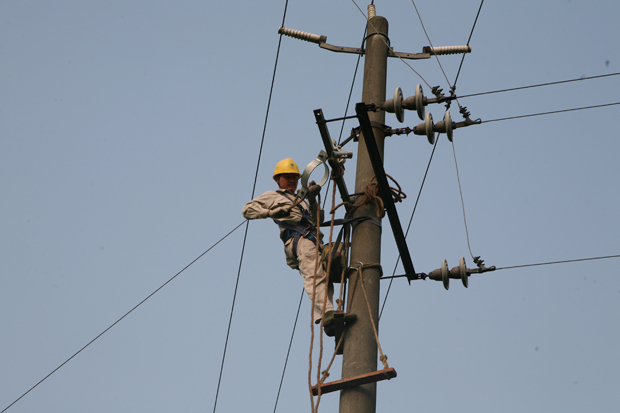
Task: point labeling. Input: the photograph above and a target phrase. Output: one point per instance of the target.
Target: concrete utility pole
(360, 346)
(359, 364)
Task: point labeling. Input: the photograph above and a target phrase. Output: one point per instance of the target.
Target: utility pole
(360, 345)
(360, 342)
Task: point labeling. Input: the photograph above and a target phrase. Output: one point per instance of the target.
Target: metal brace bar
(384, 189)
(327, 142)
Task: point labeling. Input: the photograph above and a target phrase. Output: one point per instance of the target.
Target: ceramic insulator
(449, 50)
(298, 34)
(372, 12)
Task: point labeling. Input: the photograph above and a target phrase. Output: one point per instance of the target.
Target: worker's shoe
(328, 322)
(329, 329)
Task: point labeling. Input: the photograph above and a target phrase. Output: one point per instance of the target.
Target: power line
(521, 266)
(125, 315)
(539, 85)
(289, 349)
(432, 153)
(559, 262)
(245, 237)
(549, 113)
(468, 40)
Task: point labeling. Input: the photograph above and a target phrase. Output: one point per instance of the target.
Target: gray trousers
(306, 262)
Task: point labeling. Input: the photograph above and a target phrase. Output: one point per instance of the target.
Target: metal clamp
(303, 192)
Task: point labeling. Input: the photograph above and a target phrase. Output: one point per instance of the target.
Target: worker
(298, 223)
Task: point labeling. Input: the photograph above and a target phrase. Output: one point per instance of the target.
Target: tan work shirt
(259, 207)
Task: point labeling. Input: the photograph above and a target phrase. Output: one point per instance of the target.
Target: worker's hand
(313, 190)
(279, 212)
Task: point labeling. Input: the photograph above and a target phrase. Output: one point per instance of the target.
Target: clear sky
(129, 139)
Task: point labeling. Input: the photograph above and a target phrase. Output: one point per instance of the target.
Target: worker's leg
(307, 260)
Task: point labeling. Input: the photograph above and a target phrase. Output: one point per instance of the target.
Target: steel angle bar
(327, 142)
(384, 189)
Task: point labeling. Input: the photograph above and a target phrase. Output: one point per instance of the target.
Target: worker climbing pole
(359, 339)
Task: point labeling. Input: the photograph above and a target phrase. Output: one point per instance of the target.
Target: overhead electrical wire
(245, 237)
(290, 344)
(526, 265)
(125, 315)
(458, 178)
(390, 47)
(430, 43)
(432, 153)
(538, 85)
(346, 110)
(550, 113)
(558, 262)
(468, 40)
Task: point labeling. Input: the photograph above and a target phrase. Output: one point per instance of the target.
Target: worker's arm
(313, 192)
(267, 205)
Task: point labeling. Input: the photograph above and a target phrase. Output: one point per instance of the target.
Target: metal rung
(385, 374)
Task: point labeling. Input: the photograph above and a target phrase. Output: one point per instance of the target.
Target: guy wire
(124, 315)
(260, 152)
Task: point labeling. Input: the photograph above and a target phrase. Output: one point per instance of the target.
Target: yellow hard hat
(286, 166)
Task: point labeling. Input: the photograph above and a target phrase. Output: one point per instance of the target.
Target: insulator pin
(298, 34)
(447, 50)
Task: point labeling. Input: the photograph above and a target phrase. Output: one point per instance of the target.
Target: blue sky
(130, 133)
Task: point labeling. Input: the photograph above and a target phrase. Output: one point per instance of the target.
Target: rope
(360, 271)
(325, 373)
(312, 406)
(370, 196)
(326, 278)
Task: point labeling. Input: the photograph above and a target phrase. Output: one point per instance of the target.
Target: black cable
(538, 85)
(289, 349)
(260, 152)
(357, 65)
(549, 113)
(521, 266)
(468, 40)
(125, 315)
(559, 262)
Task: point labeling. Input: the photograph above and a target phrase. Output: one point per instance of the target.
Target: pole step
(385, 374)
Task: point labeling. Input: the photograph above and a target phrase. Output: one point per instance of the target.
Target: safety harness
(305, 228)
